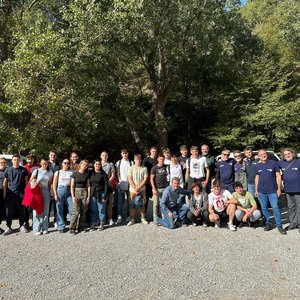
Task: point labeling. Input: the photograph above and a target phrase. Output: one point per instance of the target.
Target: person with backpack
(62, 193)
(122, 167)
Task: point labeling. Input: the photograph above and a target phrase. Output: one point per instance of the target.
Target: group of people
(189, 189)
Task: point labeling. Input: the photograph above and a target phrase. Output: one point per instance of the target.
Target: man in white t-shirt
(122, 167)
(175, 170)
(220, 205)
(197, 169)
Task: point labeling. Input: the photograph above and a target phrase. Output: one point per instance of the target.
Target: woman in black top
(80, 191)
(99, 187)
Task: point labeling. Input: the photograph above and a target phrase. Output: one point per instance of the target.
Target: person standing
(109, 169)
(239, 169)
(80, 191)
(250, 169)
(62, 193)
(175, 170)
(40, 222)
(290, 166)
(159, 181)
(99, 189)
(122, 167)
(74, 159)
(2, 203)
(210, 160)
(137, 178)
(14, 183)
(268, 188)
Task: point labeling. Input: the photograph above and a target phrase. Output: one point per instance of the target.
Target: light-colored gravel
(148, 262)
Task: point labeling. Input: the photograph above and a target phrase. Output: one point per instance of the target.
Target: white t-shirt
(167, 161)
(64, 177)
(123, 166)
(196, 166)
(218, 201)
(175, 171)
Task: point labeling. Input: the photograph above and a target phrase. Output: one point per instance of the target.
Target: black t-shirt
(16, 179)
(99, 181)
(182, 159)
(160, 176)
(149, 162)
(80, 179)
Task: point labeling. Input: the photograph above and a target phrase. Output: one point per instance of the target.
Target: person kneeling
(173, 209)
(221, 204)
(198, 203)
(246, 207)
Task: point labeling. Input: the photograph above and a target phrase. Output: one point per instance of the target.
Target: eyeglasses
(66, 163)
(225, 154)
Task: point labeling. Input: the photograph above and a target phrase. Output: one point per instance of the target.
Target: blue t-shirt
(267, 176)
(16, 179)
(226, 170)
(291, 175)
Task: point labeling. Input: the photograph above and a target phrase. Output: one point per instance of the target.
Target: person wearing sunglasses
(62, 193)
(239, 169)
(225, 171)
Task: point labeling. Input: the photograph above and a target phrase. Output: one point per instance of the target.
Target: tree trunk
(160, 121)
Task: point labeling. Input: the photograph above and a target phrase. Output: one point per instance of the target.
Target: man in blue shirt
(290, 167)
(268, 187)
(225, 171)
(172, 206)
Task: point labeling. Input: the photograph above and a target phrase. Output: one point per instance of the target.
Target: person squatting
(193, 189)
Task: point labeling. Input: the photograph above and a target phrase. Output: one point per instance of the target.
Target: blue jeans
(228, 187)
(64, 196)
(251, 189)
(123, 197)
(42, 221)
(97, 209)
(263, 200)
(179, 212)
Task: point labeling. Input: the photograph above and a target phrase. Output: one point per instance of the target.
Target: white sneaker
(37, 233)
(111, 222)
(23, 229)
(144, 221)
(205, 224)
(195, 224)
(231, 227)
(119, 220)
(7, 231)
(130, 223)
(217, 224)
(55, 225)
(45, 232)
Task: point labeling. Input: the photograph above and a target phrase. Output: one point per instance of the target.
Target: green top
(245, 201)
(138, 174)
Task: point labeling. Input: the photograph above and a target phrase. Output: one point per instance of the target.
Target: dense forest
(90, 75)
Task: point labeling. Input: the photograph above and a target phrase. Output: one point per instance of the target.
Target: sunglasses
(66, 163)
(225, 154)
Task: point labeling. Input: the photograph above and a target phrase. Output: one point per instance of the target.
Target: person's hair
(226, 151)
(196, 184)
(83, 161)
(237, 184)
(175, 179)
(16, 155)
(52, 151)
(66, 158)
(183, 147)
(165, 150)
(216, 183)
(173, 155)
(2, 158)
(139, 156)
(248, 149)
(47, 161)
(29, 156)
(290, 150)
(205, 145)
(154, 148)
(73, 153)
(160, 155)
(194, 148)
(261, 150)
(237, 152)
(124, 151)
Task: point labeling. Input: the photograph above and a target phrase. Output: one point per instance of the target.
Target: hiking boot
(7, 231)
(231, 227)
(268, 227)
(281, 230)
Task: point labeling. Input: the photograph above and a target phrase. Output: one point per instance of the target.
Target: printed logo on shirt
(270, 170)
(296, 169)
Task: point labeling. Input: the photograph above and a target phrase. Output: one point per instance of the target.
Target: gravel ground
(148, 262)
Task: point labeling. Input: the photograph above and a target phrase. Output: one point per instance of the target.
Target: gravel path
(148, 262)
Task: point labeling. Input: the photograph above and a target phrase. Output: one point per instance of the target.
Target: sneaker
(37, 233)
(217, 224)
(292, 226)
(101, 227)
(119, 220)
(45, 232)
(231, 227)
(61, 230)
(1, 230)
(240, 225)
(111, 222)
(281, 230)
(26, 225)
(55, 225)
(23, 229)
(195, 224)
(144, 221)
(7, 231)
(93, 228)
(178, 224)
(205, 224)
(128, 219)
(72, 232)
(268, 227)
(130, 223)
